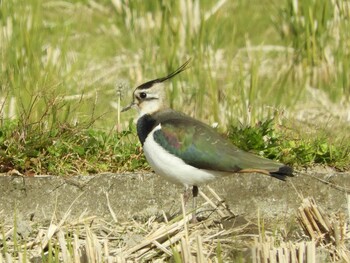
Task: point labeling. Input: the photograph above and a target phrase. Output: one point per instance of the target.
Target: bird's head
(150, 96)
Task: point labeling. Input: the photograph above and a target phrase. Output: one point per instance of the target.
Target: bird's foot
(194, 219)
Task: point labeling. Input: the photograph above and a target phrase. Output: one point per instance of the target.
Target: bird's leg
(194, 194)
(187, 194)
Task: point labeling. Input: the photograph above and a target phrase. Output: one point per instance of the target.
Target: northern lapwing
(185, 150)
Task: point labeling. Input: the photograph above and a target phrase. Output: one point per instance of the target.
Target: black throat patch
(144, 126)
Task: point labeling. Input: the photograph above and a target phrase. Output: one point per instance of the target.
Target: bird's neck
(145, 124)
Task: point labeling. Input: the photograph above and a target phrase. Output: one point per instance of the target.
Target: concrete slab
(142, 195)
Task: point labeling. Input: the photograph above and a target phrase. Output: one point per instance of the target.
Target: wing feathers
(202, 147)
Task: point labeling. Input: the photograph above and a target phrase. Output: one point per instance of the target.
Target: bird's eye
(143, 95)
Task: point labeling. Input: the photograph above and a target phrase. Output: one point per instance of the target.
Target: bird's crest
(150, 83)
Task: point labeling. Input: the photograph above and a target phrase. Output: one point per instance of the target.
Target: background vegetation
(273, 74)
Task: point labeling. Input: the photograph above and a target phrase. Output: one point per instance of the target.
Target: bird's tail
(282, 172)
(268, 167)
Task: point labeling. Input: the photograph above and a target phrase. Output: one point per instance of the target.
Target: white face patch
(150, 100)
(148, 106)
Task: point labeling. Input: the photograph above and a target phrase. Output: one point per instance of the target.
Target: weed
(276, 142)
(71, 150)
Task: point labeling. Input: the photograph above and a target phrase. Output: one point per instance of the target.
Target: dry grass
(328, 231)
(219, 237)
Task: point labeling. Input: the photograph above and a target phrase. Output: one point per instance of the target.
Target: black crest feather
(150, 83)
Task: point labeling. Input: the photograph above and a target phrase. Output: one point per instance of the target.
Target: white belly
(172, 167)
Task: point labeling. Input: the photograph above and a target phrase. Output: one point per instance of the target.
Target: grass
(287, 144)
(57, 151)
(92, 151)
(67, 66)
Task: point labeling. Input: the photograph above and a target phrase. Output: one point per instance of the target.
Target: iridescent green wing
(202, 147)
(197, 145)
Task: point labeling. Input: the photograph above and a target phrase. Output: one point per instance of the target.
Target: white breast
(172, 167)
